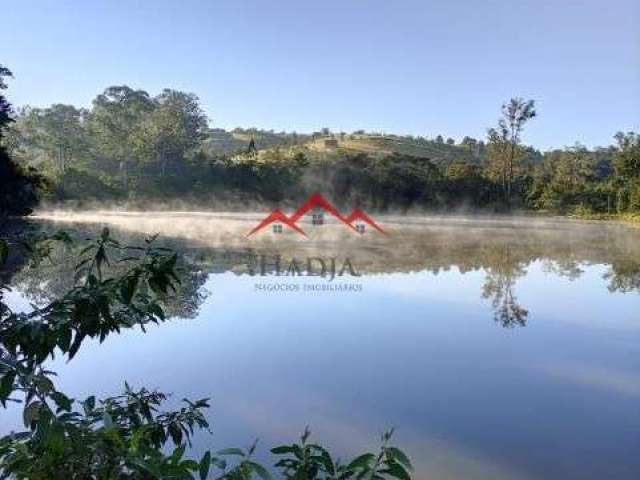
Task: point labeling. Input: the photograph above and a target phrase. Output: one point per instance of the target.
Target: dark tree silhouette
(18, 189)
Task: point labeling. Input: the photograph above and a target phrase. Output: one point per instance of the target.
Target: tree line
(130, 146)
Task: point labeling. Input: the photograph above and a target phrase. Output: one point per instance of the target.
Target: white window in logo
(317, 219)
(277, 228)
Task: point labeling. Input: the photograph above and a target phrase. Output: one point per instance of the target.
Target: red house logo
(356, 220)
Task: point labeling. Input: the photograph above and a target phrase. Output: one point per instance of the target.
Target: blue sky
(418, 67)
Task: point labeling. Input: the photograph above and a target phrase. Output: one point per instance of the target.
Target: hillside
(404, 145)
(222, 141)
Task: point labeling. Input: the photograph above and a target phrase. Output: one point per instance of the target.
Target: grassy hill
(223, 141)
(321, 144)
(404, 145)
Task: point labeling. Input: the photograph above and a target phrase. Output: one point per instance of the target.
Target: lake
(498, 348)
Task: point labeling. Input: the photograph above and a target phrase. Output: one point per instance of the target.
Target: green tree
(627, 171)
(18, 189)
(564, 179)
(62, 129)
(116, 119)
(505, 152)
(465, 182)
(175, 126)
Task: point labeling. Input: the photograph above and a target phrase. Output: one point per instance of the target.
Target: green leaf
(62, 401)
(260, 470)
(178, 453)
(64, 338)
(326, 460)
(205, 464)
(399, 456)
(231, 451)
(363, 461)
(128, 288)
(293, 449)
(396, 470)
(31, 413)
(75, 346)
(175, 432)
(56, 439)
(43, 383)
(89, 404)
(190, 465)
(283, 449)
(6, 386)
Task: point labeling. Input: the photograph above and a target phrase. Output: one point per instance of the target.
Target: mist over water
(499, 347)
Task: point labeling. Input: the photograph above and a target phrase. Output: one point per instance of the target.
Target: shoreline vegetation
(132, 147)
(632, 219)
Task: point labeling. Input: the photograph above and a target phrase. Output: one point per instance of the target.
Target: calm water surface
(497, 348)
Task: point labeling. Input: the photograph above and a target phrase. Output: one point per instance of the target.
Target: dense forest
(134, 148)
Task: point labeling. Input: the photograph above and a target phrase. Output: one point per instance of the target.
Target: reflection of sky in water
(557, 399)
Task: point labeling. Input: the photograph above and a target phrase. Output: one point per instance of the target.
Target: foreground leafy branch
(128, 436)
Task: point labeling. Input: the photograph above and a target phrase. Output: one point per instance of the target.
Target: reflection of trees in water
(567, 268)
(503, 253)
(624, 276)
(499, 286)
(54, 277)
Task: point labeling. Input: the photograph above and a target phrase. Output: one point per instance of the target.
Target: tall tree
(56, 133)
(115, 119)
(62, 127)
(175, 126)
(505, 152)
(627, 170)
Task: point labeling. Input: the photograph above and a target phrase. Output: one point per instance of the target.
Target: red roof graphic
(276, 216)
(358, 214)
(315, 201)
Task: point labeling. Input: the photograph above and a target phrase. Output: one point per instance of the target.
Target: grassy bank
(633, 218)
(630, 218)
